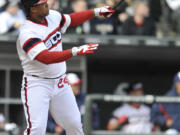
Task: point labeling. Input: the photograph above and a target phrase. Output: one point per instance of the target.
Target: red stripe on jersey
(165, 114)
(30, 43)
(54, 31)
(27, 42)
(63, 18)
(27, 107)
(33, 46)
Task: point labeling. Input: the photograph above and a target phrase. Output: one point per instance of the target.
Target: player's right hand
(106, 10)
(84, 49)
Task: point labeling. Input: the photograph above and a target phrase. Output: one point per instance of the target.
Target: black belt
(47, 77)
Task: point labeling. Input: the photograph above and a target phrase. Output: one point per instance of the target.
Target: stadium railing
(148, 99)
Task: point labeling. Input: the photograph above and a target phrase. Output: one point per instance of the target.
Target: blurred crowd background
(135, 17)
(152, 18)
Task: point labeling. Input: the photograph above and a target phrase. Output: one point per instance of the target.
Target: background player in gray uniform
(44, 85)
(132, 117)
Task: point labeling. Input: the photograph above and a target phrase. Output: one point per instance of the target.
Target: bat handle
(106, 15)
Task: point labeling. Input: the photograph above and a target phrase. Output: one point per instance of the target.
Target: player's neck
(37, 19)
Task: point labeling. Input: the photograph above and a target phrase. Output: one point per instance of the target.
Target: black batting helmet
(27, 4)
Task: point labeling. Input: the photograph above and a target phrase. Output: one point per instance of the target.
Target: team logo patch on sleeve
(29, 44)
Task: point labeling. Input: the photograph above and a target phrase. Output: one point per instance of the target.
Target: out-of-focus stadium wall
(149, 60)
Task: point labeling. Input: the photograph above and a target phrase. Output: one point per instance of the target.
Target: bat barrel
(115, 7)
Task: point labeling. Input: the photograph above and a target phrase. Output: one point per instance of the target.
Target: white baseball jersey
(139, 119)
(34, 38)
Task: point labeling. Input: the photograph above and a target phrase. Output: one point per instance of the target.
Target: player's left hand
(84, 49)
(106, 10)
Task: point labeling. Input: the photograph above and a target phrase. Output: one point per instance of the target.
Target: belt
(47, 77)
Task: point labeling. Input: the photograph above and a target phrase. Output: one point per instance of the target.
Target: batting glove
(84, 49)
(106, 10)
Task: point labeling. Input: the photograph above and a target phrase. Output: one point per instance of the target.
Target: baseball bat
(115, 7)
(118, 4)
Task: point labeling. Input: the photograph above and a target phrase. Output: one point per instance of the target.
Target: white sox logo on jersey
(53, 39)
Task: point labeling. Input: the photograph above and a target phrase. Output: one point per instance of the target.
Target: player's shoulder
(54, 13)
(27, 31)
(25, 28)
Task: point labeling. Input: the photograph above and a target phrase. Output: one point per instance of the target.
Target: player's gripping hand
(84, 49)
(105, 11)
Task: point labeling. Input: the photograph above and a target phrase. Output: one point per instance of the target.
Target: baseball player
(132, 117)
(44, 85)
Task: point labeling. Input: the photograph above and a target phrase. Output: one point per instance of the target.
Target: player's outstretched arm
(47, 57)
(80, 17)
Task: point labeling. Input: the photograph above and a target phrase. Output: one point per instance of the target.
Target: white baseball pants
(41, 95)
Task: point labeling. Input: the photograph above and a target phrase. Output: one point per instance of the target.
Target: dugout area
(152, 61)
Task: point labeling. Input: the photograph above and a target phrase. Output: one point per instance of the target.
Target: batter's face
(41, 10)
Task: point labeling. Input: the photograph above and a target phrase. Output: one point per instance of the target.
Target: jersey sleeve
(31, 44)
(65, 22)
